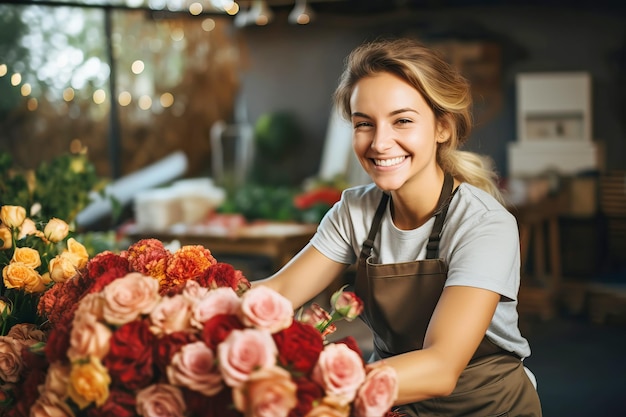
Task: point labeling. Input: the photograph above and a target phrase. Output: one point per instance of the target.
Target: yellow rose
(28, 227)
(27, 256)
(18, 275)
(56, 230)
(12, 216)
(5, 308)
(6, 237)
(81, 256)
(62, 267)
(89, 383)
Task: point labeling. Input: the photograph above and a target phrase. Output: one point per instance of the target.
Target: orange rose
(89, 383)
(18, 275)
(28, 227)
(62, 267)
(6, 238)
(80, 256)
(27, 256)
(12, 216)
(56, 230)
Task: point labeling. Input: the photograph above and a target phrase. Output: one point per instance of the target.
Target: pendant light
(301, 14)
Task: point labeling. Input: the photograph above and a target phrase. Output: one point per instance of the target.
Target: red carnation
(308, 394)
(105, 261)
(119, 404)
(189, 262)
(299, 347)
(351, 343)
(224, 275)
(217, 329)
(129, 360)
(148, 256)
(166, 346)
(58, 343)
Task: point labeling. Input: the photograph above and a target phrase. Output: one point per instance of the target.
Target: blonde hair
(440, 84)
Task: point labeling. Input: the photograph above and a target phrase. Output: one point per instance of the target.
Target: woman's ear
(443, 130)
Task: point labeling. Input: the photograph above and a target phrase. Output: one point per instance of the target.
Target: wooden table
(538, 224)
(277, 241)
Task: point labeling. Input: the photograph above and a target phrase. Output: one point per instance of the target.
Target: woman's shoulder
(476, 201)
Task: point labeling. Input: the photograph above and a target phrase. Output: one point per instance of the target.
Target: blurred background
(211, 122)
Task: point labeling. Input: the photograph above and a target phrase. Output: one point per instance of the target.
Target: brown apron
(399, 300)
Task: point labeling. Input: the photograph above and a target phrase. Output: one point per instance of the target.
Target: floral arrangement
(158, 332)
(33, 255)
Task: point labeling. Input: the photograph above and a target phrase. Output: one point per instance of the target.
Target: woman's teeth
(389, 162)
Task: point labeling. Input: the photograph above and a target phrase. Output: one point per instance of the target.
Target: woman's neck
(415, 203)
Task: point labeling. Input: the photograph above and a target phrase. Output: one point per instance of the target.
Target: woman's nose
(383, 138)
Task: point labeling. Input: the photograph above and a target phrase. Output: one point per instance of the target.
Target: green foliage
(256, 202)
(61, 186)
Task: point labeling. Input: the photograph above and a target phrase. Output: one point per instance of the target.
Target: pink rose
(50, 405)
(11, 364)
(194, 367)
(160, 400)
(170, 315)
(127, 298)
(347, 304)
(318, 317)
(339, 370)
(267, 393)
(57, 379)
(90, 304)
(222, 300)
(329, 408)
(264, 308)
(89, 337)
(243, 352)
(194, 291)
(378, 393)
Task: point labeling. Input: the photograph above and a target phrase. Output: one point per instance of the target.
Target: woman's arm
(457, 327)
(306, 275)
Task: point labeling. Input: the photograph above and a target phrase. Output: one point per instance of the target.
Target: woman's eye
(361, 124)
(403, 121)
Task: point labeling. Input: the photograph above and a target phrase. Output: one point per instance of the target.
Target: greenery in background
(12, 28)
(277, 136)
(265, 202)
(61, 187)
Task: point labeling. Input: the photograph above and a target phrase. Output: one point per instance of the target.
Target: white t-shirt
(479, 243)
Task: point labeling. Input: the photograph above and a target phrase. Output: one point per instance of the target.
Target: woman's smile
(389, 162)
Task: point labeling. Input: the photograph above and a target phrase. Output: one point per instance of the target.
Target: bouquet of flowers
(152, 332)
(33, 255)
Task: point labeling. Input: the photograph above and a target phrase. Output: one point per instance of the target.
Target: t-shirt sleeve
(485, 254)
(332, 238)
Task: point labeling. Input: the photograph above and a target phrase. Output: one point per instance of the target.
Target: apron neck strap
(432, 248)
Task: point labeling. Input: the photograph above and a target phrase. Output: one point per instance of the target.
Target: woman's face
(395, 133)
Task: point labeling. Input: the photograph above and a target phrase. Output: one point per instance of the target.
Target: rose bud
(347, 304)
(28, 227)
(56, 230)
(6, 239)
(12, 216)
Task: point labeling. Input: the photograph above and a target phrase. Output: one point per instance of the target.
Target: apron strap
(432, 248)
(368, 245)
